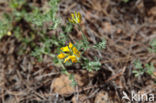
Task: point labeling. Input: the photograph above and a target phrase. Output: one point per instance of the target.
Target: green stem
(52, 55)
(83, 35)
(64, 69)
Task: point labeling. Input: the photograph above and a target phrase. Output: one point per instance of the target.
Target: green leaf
(150, 68)
(100, 45)
(138, 64)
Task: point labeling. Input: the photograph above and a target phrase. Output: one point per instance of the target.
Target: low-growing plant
(5, 26)
(71, 54)
(153, 46)
(10, 24)
(42, 41)
(92, 65)
(140, 69)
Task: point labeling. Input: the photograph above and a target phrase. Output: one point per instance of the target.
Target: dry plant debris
(128, 28)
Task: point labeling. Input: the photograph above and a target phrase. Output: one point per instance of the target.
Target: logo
(125, 96)
(138, 97)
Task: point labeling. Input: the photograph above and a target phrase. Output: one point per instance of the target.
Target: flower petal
(70, 45)
(65, 49)
(72, 58)
(76, 52)
(70, 20)
(67, 59)
(75, 14)
(79, 15)
(72, 15)
(61, 56)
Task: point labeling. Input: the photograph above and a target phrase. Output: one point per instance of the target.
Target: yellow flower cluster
(75, 19)
(69, 53)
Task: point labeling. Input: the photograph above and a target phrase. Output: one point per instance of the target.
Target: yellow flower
(69, 53)
(72, 58)
(76, 52)
(75, 19)
(8, 33)
(62, 55)
(65, 49)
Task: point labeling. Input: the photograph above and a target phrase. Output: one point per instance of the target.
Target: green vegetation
(153, 46)
(37, 37)
(140, 69)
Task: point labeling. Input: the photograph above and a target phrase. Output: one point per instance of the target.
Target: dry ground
(127, 27)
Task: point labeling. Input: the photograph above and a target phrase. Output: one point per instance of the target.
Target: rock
(62, 84)
(103, 97)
